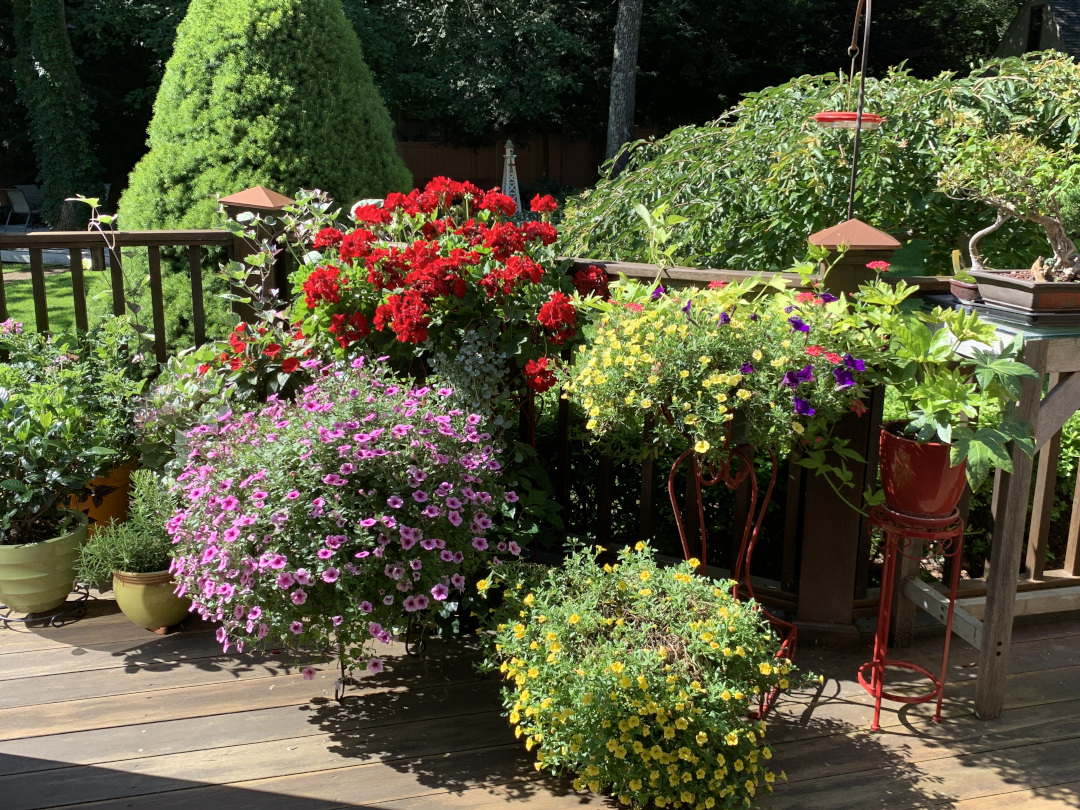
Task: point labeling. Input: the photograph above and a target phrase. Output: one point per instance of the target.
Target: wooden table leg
(1010, 522)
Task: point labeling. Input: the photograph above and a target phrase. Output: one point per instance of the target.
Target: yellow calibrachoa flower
(574, 618)
(701, 446)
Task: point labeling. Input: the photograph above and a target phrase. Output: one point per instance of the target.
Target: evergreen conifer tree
(261, 92)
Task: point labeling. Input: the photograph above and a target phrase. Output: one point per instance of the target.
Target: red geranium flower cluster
(558, 316)
(407, 315)
(322, 285)
(349, 328)
(539, 374)
(441, 260)
(328, 238)
(591, 280)
(543, 205)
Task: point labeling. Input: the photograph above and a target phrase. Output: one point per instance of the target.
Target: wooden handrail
(62, 240)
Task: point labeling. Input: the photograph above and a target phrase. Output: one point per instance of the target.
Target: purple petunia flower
(366, 606)
(375, 665)
(458, 581)
(797, 324)
(686, 308)
(844, 377)
(802, 407)
(724, 318)
(394, 502)
(297, 628)
(828, 298)
(657, 293)
(853, 363)
(746, 368)
(789, 380)
(806, 375)
(479, 543)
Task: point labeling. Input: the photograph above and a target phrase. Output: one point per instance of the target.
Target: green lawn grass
(20, 298)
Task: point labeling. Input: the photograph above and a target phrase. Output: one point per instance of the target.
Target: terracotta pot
(148, 599)
(114, 506)
(918, 479)
(37, 577)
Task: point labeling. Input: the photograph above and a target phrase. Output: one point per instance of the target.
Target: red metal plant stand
(916, 539)
(738, 468)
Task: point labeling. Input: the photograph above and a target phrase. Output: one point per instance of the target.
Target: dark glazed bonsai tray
(999, 288)
(1025, 317)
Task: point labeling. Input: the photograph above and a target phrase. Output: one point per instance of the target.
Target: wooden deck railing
(821, 563)
(113, 244)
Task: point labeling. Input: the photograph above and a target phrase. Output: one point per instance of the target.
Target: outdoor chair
(20, 205)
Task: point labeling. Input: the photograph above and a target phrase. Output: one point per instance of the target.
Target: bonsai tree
(1022, 180)
(261, 92)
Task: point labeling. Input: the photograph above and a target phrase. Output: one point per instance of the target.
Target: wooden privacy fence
(822, 559)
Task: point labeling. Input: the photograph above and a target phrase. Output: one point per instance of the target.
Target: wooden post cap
(257, 198)
(857, 235)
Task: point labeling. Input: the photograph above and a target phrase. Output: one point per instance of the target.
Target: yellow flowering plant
(637, 679)
(771, 366)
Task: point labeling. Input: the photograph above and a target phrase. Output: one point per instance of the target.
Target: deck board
(102, 715)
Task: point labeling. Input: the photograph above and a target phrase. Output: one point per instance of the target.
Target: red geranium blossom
(543, 205)
(327, 237)
(592, 280)
(558, 316)
(406, 315)
(290, 364)
(498, 202)
(349, 328)
(539, 376)
(322, 285)
(272, 351)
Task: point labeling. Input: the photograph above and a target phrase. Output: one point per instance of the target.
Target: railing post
(264, 203)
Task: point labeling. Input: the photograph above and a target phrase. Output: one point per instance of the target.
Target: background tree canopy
(754, 184)
(261, 92)
(465, 69)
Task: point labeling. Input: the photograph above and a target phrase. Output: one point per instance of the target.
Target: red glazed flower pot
(918, 479)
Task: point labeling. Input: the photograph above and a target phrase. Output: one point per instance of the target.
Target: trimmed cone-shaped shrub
(261, 92)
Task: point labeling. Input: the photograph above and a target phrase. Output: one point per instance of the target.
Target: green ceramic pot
(148, 599)
(36, 577)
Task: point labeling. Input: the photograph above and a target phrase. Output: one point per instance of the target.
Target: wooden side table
(913, 538)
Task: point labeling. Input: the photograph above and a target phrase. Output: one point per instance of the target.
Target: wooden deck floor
(101, 714)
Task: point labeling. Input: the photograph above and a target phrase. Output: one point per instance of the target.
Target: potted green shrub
(62, 416)
(1021, 180)
(954, 382)
(636, 680)
(134, 557)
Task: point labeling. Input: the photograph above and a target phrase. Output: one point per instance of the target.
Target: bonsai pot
(37, 577)
(966, 291)
(114, 506)
(918, 479)
(148, 599)
(1019, 290)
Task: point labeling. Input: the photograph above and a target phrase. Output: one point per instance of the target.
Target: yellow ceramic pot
(36, 577)
(148, 599)
(114, 506)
